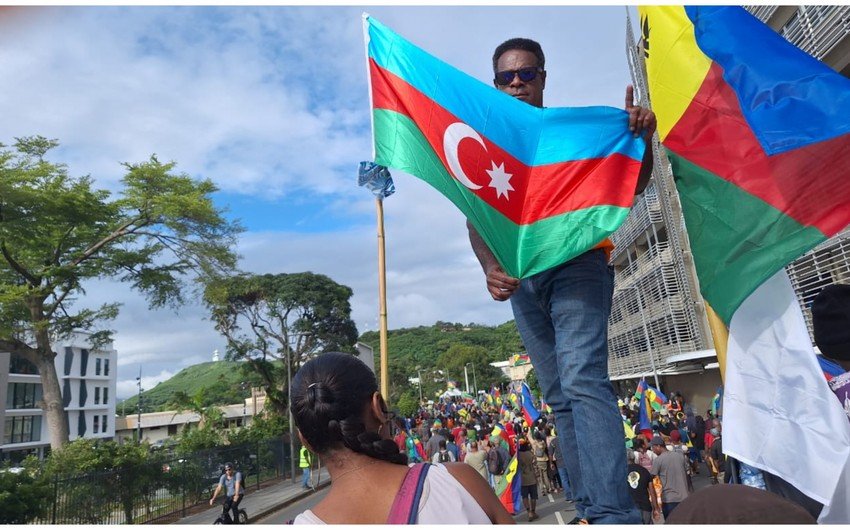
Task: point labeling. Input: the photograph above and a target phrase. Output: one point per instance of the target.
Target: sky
(271, 104)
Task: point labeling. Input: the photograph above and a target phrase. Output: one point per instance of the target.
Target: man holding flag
(562, 316)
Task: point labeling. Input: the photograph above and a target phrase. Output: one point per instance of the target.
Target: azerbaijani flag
(540, 185)
(758, 133)
(529, 411)
(508, 488)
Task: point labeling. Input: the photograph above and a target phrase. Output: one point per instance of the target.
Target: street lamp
(419, 379)
(474, 379)
(139, 408)
(645, 332)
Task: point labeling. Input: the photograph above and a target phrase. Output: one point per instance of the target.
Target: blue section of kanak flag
(532, 135)
(644, 423)
(528, 409)
(830, 369)
(789, 98)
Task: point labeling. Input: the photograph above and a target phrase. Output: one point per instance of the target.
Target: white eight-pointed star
(500, 180)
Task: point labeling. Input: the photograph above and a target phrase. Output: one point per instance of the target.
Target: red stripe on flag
(539, 191)
(808, 184)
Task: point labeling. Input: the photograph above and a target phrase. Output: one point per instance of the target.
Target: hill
(443, 347)
(222, 379)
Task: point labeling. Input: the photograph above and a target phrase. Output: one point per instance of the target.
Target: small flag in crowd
(508, 488)
(529, 411)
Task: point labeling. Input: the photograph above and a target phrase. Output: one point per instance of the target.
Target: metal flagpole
(720, 336)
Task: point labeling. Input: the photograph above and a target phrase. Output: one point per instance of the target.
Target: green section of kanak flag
(737, 248)
(522, 250)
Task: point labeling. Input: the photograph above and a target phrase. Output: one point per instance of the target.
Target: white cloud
(272, 103)
(129, 387)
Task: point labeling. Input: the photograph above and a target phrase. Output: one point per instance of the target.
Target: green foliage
(22, 497)
(424, 347)
(408, 404)
(274, 317)
(265, 427)
(191, 440)
(533, 384)
(223, 381)
(159, 231)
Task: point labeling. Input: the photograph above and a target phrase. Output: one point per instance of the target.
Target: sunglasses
(526, 75)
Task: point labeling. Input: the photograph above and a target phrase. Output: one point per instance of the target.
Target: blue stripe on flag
(789, 98)
(532, 135)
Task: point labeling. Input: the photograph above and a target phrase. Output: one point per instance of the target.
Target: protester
(443, 455)
(477, 459)
(672, 468)
(528, 476)
(433, 444)
(541, 457)
(343, 419)
(640, 486)
(562, 317)
(715, 454)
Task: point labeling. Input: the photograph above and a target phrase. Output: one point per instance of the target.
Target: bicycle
(224, 517)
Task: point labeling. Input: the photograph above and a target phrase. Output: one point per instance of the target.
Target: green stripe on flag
(738, 240)
(523, 250)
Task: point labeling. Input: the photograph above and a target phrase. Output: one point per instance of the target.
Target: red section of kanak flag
(808, 184)
(538, 191)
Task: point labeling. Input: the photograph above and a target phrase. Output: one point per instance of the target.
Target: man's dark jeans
(232, 506)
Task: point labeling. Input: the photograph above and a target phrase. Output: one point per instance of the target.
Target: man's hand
(211, 501)
(641, 120)
(500, 285)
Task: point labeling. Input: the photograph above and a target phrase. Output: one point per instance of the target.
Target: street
(552, 509)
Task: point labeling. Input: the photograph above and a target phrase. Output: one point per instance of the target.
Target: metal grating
(649, 270)
(814, 29)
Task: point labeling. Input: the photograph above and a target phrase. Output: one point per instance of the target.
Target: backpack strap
(405, 509)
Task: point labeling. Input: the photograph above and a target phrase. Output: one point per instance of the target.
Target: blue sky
(271, 103)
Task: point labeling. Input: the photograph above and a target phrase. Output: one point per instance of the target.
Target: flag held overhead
(540, 185)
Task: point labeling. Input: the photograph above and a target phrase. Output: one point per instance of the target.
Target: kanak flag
(540, 185)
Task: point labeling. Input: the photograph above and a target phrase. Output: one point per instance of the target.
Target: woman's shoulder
(307, 517)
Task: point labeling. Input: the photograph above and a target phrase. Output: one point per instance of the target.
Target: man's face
(532, 91)
(228, 470)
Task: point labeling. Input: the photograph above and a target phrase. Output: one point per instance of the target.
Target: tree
(280, 317)
(57, 231)
(458, 355)
(22, 497)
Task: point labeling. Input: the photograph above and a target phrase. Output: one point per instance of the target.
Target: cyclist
(231, 481)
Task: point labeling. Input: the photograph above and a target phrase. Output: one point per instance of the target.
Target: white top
(444, 501)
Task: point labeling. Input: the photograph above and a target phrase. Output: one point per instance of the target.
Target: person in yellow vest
(306, 459)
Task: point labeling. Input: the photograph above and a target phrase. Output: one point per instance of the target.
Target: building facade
(658, 324)
(88, 378)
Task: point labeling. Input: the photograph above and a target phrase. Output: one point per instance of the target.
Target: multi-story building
(658, 323)
(87, 376)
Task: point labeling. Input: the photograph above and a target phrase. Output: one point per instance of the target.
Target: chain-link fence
(164, 488)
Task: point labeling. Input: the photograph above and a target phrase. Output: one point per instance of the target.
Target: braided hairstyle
(329, 396)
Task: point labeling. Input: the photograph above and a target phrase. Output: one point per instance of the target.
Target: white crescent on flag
(451, 139)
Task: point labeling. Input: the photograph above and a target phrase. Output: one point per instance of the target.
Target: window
(96, 424)
(97, 366)
(21, 429)
(96, 397)
(106, 367)
(105, 396)
(19, 365)
(103, 423)
(23, 396)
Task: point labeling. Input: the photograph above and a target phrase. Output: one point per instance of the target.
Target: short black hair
(519, 43)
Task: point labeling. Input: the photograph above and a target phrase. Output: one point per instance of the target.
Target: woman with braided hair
(343, 418)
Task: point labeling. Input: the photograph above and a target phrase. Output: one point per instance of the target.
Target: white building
(158, 427)
(87, 377)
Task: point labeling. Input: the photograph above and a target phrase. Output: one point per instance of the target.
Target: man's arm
(641, 121)
(215, 494)
(500, 285)
(237, 489)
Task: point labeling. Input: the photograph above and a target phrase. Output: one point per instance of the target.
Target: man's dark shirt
(639, 478)
(716, 453)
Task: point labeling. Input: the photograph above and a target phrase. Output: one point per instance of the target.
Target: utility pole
(139, 408)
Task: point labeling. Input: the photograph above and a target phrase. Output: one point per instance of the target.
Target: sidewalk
(259, 503)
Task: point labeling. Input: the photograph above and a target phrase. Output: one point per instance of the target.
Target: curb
(292, 500)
